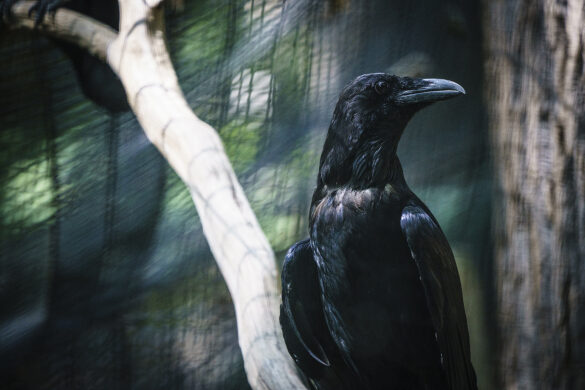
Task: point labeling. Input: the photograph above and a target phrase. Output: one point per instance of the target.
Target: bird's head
(367, 123)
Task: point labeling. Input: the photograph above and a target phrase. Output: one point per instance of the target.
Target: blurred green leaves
(27, 199)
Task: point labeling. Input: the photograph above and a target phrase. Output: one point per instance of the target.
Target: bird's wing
(301, 312)
(436, 264)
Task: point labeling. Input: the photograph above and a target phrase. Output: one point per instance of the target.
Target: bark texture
(535, 93)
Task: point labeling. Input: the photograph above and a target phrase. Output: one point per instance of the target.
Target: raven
(372, 299)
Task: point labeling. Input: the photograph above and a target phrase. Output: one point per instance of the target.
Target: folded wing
(434, 259)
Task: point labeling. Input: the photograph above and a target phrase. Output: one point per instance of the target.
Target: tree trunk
(535, 93)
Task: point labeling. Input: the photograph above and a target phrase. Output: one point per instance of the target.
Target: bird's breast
(369, 283)
(347, 224)
(359, 200)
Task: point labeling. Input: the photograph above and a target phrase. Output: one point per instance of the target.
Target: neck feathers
(371, 163)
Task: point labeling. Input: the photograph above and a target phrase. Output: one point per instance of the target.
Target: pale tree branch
(139, 56)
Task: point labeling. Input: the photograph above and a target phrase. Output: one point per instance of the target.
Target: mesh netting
(106, 280)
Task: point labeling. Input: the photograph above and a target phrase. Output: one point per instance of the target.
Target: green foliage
(26, 196)
(242, 141)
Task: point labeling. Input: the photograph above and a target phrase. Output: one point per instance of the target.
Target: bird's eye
(381, 87)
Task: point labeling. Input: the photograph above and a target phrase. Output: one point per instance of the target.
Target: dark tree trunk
(536, 84)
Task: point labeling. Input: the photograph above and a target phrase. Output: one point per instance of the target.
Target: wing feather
(301, 313)
(436, 264)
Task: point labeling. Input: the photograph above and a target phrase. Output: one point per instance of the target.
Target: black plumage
(372, 299)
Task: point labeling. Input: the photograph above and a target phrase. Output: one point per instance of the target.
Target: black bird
(372, 299)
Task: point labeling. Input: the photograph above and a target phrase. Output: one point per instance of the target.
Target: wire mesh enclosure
(106, 280)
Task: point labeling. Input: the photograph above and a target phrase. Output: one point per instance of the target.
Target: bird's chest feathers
(351, 236)
(345, 218)
(341, 203)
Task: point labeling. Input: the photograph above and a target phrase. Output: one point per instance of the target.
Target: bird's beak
(429, 91)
